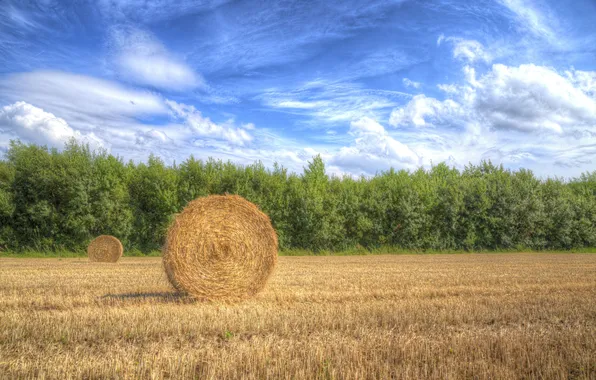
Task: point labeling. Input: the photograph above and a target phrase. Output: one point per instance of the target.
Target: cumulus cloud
(373, 149)
(140, 58)
(521, 116)
(32, 124)
(531, 98)
(527, 98)
(423, 111)
(118, 116)
(204, 127)
(89, 105)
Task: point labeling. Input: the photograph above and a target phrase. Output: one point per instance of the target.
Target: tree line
(60, 199)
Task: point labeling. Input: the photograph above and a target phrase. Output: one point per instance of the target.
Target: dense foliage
(52, 199)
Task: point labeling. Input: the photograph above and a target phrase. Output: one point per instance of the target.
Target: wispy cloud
(59, 106)
(80, 96)
(537, 20)
(249, 38)
(410, 83)
(331, 103)
(88, 105)
(147, 12)
(366, 83)
(140, 58)
(379, 62)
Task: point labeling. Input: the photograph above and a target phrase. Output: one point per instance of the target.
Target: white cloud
(298, 104)
(526, 116)
(89, 105)
(204, 127)
(373, 149)
(79, 96)
(140, 58)
(32, 124)
(584, 80)
(96, 107)
(333, 103)
(448, 88)
(538, 22)
(422, 111)
(469, 50)
(527, 98)
(410, 83)
(152, 136)
(531, 98)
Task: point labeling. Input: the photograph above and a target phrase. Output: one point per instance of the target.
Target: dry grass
(220, 247)
(437, 316)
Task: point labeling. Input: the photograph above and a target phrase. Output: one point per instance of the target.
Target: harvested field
(404, 316)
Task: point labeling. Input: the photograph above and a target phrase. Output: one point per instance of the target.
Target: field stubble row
(407, 316)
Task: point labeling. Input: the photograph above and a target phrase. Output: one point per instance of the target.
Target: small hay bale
(105, 248)
(220, 248)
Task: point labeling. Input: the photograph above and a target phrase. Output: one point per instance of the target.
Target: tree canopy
(51, 199)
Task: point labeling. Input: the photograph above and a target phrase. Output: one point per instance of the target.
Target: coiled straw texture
(105, 248)
(220, 248)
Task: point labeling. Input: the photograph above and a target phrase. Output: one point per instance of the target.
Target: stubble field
(479, 316)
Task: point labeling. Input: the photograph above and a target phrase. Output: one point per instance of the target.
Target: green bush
(54, 200)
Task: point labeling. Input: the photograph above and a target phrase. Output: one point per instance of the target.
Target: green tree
(154, 201)
(51, 199)
(6, 204)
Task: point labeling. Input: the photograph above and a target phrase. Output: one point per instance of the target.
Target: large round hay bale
(220, 248)
(105, 248)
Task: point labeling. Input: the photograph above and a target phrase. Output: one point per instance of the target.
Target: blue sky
(368, 85)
